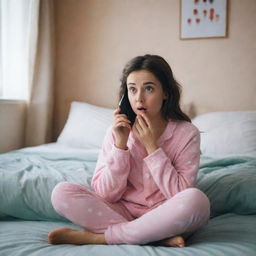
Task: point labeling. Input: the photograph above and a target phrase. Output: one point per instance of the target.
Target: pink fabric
(182, 214)
(141, 181)
(87, 209)
(140, 198)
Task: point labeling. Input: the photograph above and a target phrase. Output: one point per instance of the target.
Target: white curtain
(26, 70)
(18, 34)
(40, 104)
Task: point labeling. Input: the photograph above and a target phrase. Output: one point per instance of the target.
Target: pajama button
(147, 175)
(150, 203)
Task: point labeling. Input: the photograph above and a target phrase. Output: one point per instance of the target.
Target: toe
(51, 238)
(179, 241)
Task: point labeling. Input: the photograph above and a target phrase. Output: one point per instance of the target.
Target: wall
(95, 38)
(12, 116)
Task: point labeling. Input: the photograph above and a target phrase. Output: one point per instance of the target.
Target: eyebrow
(146, 83)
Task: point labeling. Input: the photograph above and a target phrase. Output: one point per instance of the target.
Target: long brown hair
(162, 71)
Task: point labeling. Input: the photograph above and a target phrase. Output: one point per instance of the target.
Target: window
(14, 50)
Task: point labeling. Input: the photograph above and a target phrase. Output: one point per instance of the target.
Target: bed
(227, 175)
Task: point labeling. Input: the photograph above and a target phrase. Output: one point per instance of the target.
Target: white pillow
(86, 126)
(227, 133)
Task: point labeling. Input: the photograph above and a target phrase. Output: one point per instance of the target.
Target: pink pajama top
(142, 182)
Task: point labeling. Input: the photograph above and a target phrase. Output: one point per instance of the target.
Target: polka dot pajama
(185, 212)
(140, 198)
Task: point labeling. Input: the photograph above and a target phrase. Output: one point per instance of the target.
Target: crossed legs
(107, 223)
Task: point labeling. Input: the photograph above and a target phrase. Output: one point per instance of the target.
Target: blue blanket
(27, 179)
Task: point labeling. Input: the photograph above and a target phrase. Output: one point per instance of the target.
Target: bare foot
(73, 236)
(176, 241)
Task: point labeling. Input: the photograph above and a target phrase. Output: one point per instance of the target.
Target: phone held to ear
(126, 108)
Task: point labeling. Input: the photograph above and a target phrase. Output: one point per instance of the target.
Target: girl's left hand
(145, 132)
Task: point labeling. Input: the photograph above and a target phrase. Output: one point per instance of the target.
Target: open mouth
(141, 109)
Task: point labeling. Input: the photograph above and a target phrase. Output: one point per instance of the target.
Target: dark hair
(162, 71)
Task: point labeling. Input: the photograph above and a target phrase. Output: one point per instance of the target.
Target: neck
(159, 120)
(160, 123)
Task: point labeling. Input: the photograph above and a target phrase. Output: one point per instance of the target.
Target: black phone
(126, 108)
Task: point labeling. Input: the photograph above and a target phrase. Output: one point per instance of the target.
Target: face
(145, 93)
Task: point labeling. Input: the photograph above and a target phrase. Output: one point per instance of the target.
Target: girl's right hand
(121, 129)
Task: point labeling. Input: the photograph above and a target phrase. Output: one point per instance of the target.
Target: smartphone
(126, 108)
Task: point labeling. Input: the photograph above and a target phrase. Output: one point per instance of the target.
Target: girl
(145, 172)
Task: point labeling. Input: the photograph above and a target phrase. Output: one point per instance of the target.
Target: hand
(121, 129)
(145, 132)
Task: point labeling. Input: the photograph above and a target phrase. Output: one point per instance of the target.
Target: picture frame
(202, 19)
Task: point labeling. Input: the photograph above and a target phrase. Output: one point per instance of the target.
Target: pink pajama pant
(184, 213)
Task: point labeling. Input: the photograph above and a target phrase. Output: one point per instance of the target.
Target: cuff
(119, 149)
(119, 159)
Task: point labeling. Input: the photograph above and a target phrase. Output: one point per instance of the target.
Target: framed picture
(203, 19)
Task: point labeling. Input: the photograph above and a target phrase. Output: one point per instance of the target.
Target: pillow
(86, 126)
(227, 133)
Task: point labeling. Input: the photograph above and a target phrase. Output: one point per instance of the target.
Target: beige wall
(95, 38)
(12, 124)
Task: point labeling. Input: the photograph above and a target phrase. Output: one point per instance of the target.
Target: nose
(139, 96)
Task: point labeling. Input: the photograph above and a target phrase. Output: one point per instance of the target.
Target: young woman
(145, 175)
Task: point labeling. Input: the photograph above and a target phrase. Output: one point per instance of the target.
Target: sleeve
(112, 169)
(173, 176)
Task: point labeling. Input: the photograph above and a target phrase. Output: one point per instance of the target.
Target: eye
(132, 89)
(149, 89)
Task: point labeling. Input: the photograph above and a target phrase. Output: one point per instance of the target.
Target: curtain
(18, 33)
(38, 128)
